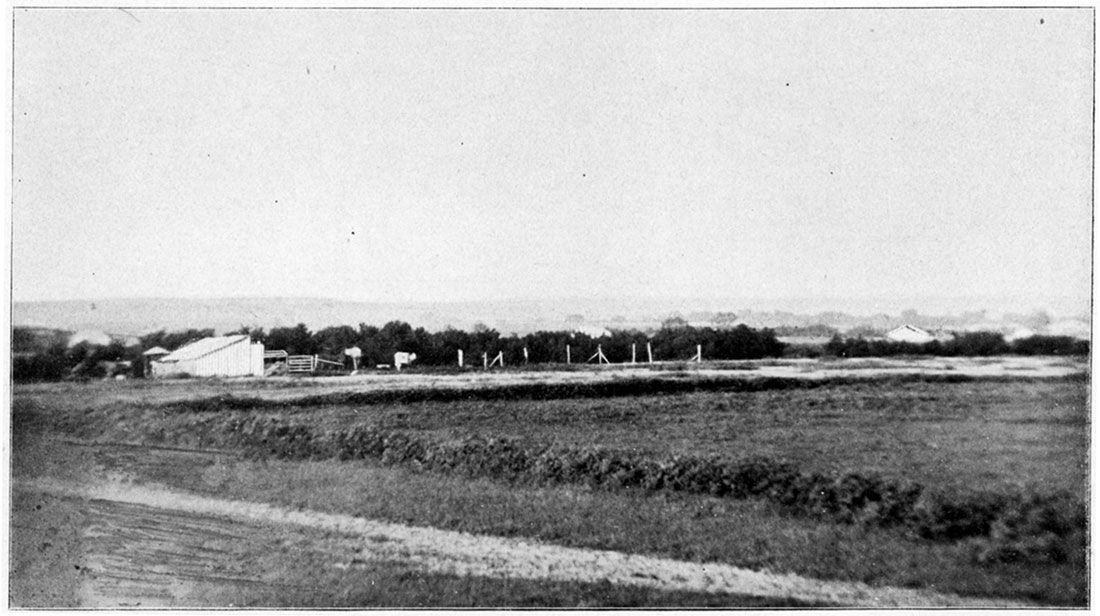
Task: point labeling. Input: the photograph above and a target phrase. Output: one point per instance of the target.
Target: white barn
(908, 333)
(216, 356)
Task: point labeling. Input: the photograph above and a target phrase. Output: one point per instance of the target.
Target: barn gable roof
(203, 347)
(908, 329)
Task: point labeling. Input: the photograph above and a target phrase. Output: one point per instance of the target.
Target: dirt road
(149, 546)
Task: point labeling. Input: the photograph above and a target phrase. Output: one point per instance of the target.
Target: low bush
(30, 368)
(1038, 528)
(936, 517)
(1050, 345)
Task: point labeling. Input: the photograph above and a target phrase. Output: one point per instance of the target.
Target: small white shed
(215, 356)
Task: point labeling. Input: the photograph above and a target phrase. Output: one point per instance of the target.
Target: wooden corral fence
(298, 364)
(599, 357)
(326, 364)
(305, 364)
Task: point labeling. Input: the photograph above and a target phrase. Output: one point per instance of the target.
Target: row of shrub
(1033, 528)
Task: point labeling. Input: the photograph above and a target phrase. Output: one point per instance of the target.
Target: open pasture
(979, 434)
(951, 433)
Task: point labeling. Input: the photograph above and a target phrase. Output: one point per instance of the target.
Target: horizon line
(809, 305)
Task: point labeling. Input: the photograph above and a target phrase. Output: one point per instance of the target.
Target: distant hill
(140, 316)
(137, 316)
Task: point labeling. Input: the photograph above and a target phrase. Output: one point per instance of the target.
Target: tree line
(55, 360)
(968, 344)
(378, 344)
(35, 358)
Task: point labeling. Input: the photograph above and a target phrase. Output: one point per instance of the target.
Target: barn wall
(257, 359)
(233, 360)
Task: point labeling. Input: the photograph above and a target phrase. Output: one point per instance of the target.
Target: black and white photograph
(576, 307)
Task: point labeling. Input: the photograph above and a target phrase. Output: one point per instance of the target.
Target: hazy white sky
(385, 155)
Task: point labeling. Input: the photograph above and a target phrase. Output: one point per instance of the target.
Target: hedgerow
(1033, 528)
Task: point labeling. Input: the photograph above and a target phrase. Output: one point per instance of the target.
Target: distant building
(91, 337)
(95, 337)
(593, 331)
(1070, 327)
(127, 340)
(908, 333)
(216, 356)
(1020, 334)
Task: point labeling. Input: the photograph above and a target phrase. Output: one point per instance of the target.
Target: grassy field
(989, 434)
(1007, 436)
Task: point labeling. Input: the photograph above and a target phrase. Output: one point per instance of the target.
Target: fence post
(649, 351)
(599, 356)
(460, 358)
(633, 353)
(568, 360)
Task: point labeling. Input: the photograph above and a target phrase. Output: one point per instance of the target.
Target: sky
(448, 155)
